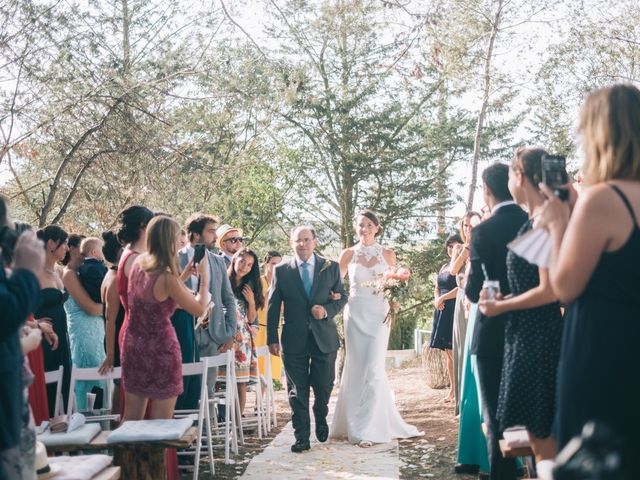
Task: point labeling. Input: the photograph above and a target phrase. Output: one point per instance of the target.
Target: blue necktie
(306, 278)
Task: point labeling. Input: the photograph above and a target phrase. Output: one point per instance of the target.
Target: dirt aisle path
(430, 456)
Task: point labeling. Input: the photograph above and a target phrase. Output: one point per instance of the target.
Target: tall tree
(352, 108)
(92, 90)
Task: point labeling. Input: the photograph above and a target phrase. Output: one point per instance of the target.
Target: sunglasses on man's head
(233, 239)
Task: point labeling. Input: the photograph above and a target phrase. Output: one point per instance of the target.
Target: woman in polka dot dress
(533, 331)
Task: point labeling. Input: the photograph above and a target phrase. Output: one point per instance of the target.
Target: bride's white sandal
(365, 444)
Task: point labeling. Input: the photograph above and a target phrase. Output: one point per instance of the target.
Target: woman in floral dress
(244, 275)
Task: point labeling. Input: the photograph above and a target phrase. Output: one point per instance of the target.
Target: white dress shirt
(501, 204)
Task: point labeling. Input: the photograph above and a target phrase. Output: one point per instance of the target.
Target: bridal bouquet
(393, 285)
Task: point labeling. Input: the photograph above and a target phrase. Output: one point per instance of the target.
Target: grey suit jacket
(287, 288)
(222, 323)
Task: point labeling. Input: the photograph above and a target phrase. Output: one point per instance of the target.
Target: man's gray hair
(303, 227)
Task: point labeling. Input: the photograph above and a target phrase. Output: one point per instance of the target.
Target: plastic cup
(91, 400)
(491, 288)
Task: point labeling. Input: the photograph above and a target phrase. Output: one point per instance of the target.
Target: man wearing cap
(229, 241)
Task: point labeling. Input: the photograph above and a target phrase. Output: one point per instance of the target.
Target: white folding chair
(259, 419)
(231, 431)
(270, 403)
(80, 374)
(56, 376)
(203, 416)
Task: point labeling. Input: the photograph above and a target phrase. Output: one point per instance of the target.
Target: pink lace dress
(151, 359)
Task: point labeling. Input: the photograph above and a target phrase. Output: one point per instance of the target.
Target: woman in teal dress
(472, 445)
(85, 323)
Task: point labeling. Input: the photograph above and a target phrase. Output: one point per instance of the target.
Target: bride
(366, 412)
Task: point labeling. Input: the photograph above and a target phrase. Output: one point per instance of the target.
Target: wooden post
(140, 462)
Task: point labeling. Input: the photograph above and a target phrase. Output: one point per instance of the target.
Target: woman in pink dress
(151, 359)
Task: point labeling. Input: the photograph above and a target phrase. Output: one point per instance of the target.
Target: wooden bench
(138, 460)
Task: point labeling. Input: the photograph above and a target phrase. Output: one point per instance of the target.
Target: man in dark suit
(306, 285)
(489, 249)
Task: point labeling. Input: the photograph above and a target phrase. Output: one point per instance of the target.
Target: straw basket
(435, 364)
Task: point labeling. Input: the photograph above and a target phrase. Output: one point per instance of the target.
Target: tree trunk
(441, 180)
(126, 48)
(477, 141)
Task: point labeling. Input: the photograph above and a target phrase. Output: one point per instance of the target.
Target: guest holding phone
(154, 292)
(594, 270)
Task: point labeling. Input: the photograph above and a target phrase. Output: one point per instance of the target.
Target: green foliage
(424, 261)
(598, 46)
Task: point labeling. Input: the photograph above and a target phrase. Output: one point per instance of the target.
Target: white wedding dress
(366, 410)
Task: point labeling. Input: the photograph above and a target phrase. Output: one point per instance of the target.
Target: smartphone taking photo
(198, 253)
(554, 175)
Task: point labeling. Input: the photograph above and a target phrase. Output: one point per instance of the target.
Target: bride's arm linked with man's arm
(338, 299)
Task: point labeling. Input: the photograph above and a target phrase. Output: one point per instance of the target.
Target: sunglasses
(234, 239)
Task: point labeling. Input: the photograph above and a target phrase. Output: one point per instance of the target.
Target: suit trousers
(489, 373)
(304, 370)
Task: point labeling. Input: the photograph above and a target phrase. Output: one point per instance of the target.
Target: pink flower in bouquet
(390, 275)
(403, 274)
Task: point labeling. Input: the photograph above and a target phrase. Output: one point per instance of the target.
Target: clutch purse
(58, 424)
(66, 423)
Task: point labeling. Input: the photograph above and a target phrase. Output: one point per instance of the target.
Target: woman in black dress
(534, 328)
(52, 298)
(594, 269)
(444, 295)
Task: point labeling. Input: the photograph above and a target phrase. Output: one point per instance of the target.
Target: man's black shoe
(322, 431)
(465, 468)
(300, 446)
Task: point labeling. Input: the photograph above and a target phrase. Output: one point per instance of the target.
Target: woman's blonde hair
(162, 233)
(610, 128)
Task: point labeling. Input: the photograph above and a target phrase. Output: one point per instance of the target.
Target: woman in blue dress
(472, 445)
(85, 323)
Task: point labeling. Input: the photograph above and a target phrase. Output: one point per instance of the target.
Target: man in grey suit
(308, 286)
(217, 336)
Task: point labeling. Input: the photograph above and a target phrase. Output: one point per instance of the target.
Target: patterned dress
(246, 357)
(151, 359)
(531, 355)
